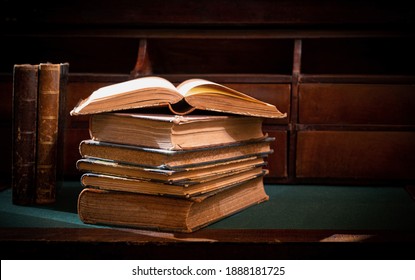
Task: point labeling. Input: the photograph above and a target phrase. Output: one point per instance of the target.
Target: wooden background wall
(342, 70)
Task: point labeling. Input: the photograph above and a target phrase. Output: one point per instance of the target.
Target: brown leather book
(184, 176)
(174, 160)
(48, 131)
(63, 85)
(174, 132)
(167, 213)
(182, 189)
(25, 84)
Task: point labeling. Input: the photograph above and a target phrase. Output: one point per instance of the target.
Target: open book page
(210, 96)
(190, 95)
(141, 92)
(197, 86)
(187, 85)
(139, 84)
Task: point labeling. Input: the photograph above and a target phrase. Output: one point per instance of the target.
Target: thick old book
(190, 95)
(180, 189)
(128, 209)
(25, 84)
(48, 131)
(173, 132)
(186, 175)
(174, 160)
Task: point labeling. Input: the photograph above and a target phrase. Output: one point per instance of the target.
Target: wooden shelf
(63, 243)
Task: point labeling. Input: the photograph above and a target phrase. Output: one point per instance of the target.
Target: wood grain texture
(64, 243)
(366, 104)
(356, 154)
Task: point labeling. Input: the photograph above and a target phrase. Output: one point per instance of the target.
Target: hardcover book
(49, 109)
(173, 132)
(183, 189)
(25, 83)
(174, 160)
(190, 95)
(185, 175)
(129, 209)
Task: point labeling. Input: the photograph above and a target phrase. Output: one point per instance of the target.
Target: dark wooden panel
(6, 145)
(6, 92)
(351, 56)
(223, 244)
(220, 56)
(358, 79)
(358, 154)
(357, 104)
(84, 54)
(129, 13)
(6, 129)
(108, 54)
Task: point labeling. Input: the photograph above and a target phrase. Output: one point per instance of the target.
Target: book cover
(25, 84)
(167, 213)
(48, 128)
(183, 189)
(167, 159)
(63, 91)
(183, 176)
(174, 132)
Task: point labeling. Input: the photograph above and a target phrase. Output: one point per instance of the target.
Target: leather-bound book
(167, 213)
(48, 131)
(25, 84)
(63, 82)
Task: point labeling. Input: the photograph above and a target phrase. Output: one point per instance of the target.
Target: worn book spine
(63, 85)
(25, 85)
(48, 126)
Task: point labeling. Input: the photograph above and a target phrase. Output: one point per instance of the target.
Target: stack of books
(167, 171)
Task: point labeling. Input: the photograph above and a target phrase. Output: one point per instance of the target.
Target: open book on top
(190, 95)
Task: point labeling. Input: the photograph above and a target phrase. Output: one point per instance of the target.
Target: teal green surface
(289, 207)
(329, 207)
(62, 214)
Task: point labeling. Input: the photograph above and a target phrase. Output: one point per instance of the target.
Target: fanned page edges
(190, 95)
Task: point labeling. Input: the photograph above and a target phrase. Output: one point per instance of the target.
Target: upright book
(25, 84)
(173, 132)
(51, 78)
(167, 213)
(190, 95)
